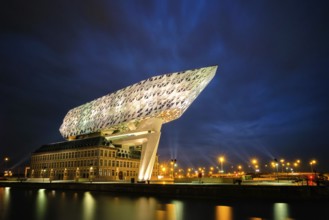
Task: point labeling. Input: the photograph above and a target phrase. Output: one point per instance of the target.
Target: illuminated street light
(287, 167)
(255, 164)
(239, 168)
(313, 162)
(6, 159)
(296, 165)
(221, 160)
(276, 164)
(43, 171)
(91, 174)
(282, 165)
(173, 165)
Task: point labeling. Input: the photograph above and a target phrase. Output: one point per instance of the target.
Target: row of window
(71, 155)
(85, 163)
(105, 172)
(72, 173)
(117, 163)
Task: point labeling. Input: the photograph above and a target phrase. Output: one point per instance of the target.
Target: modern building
(117, 136)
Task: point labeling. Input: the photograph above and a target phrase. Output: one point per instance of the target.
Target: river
(55, 204)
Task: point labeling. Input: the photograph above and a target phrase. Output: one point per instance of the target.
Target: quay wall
(199, 191)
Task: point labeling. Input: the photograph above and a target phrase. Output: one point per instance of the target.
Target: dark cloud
(268, 99)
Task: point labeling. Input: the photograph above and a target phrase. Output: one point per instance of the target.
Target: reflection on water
(281, 211)
(88, 206)
(55, 204)
(41, 204)
(4, 201)
(170, 211)
(224, 213)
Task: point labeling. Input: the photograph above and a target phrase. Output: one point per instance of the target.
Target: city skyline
(267, 100)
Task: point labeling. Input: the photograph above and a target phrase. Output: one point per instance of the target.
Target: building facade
(90, 158)
(125, 125)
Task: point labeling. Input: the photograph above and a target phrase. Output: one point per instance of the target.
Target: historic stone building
(92, 158)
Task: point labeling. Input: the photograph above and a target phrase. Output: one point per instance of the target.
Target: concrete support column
(149, 149)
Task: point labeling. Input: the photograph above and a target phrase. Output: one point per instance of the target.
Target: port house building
(116, 137)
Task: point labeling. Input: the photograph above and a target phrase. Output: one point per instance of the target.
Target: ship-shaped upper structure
(136, 113)
(165, 97)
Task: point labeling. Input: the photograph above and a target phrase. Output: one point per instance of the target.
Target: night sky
(269, 98)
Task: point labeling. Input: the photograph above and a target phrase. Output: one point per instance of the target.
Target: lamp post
(239, 169)
(221, 160)
(173, 165)
(6, 161)
(43, 174)
(282, 165)
(91, 174)
(255, 164)
(287, 167)
(211, 169)
(277, 167)
(296, 165)
(313, 162)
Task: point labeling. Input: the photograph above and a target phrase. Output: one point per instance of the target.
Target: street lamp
(91, 174)
(296, 165)
(282, 165)
(6, 161)
(313, 162)
(277, 167)
(43, 174)
(287, 167)
(239, 169)
(173, 165)
(255, 164)
(221, 160)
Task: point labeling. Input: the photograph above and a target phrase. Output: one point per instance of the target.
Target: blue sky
(269, 98)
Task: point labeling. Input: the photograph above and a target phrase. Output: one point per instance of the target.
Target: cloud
(268, 96)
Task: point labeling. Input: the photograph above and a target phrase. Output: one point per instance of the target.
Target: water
(50, 204)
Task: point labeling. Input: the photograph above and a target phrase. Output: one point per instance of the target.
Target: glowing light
(224, 213)
(41, 204)
(281, 211)
(89, 206)
(5, 203)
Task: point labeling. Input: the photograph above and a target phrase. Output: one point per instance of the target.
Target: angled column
(149, 148)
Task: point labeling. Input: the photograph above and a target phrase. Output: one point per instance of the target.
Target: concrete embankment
(223, 192)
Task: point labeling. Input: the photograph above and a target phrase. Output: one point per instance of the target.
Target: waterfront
(47, 204)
